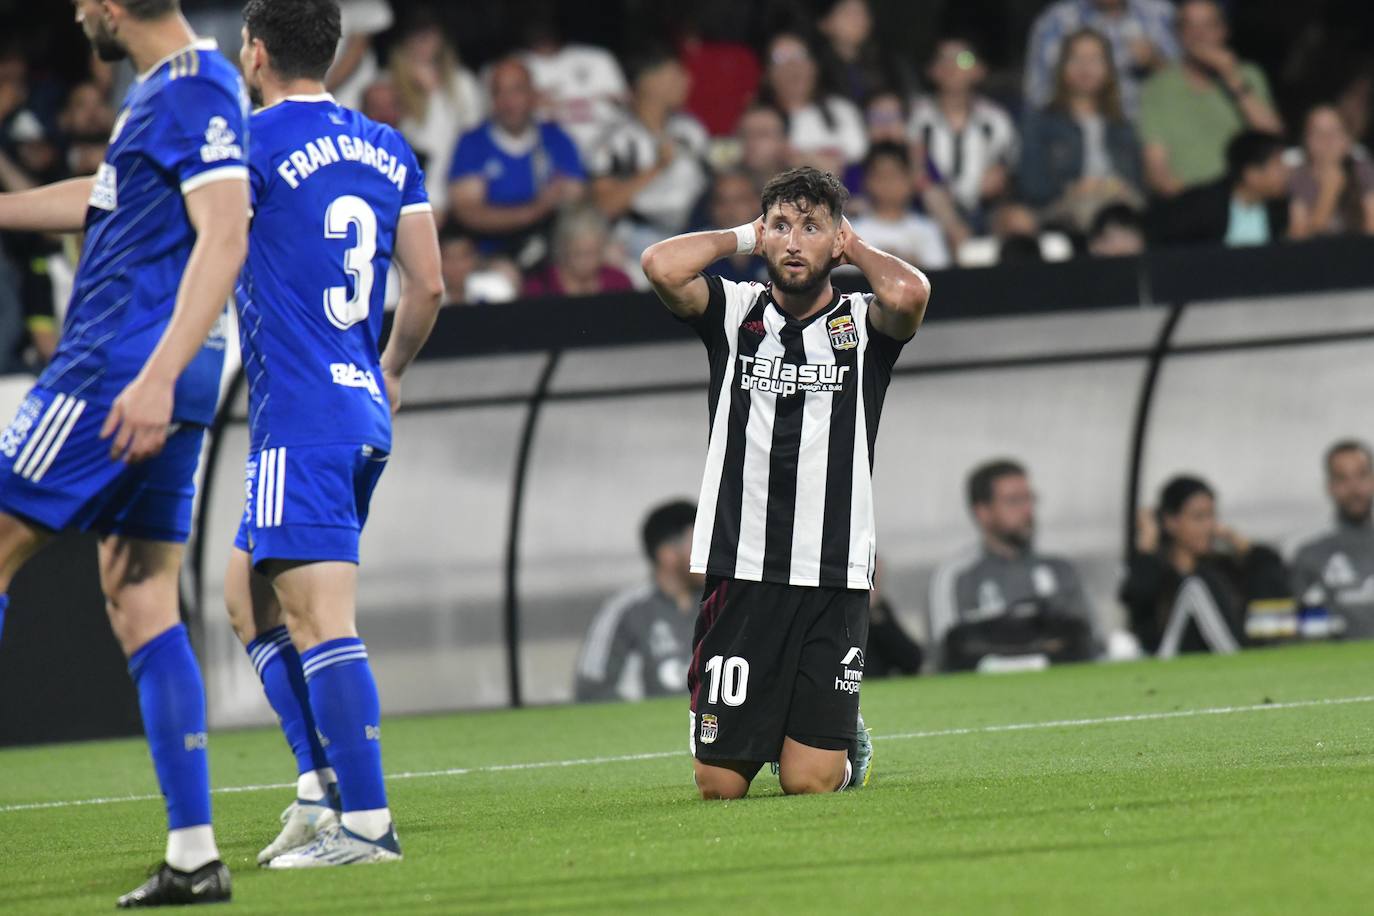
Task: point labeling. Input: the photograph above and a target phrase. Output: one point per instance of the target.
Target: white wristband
(745, 238)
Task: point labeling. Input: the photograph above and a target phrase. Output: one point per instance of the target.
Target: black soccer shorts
(772, 661)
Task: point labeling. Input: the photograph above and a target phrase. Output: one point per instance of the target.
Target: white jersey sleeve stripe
(227, 173)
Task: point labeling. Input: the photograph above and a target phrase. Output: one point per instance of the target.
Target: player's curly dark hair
(806, 188)
(301, 36)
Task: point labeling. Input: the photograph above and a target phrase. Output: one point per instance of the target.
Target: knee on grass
(718, 784)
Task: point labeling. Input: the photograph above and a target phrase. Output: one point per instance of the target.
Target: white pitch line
(660, 755)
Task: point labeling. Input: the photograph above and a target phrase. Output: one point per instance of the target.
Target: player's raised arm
(57, 207)
(674, 265)
(900, 291)
(140, 415)
(422, 292)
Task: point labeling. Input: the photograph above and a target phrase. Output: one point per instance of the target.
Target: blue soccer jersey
(329, 190)
(184, 124)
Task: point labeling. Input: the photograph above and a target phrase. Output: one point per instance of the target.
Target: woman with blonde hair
(440, 100)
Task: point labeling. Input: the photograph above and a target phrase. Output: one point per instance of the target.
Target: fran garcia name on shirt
(326, 151)
(773, 376)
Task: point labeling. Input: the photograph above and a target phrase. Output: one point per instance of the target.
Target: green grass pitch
(1254, 806)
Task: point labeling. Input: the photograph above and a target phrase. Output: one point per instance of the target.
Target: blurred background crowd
(561, 139)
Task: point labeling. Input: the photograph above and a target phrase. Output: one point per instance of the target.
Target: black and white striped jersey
(787, 495)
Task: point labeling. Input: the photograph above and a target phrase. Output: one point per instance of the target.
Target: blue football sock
(343, 697)
(279, 666)
(171, 697)
(4, 606)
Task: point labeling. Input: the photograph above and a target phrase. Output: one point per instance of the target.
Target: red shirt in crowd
(725, 77)
(548, 282)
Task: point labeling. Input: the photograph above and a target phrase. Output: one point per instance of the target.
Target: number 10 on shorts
(729, 680)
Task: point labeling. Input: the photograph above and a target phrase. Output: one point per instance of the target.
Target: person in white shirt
(581, 87)
(890, 224)
(648, 173)
(440, 101)
(826, 131)
(355, 68)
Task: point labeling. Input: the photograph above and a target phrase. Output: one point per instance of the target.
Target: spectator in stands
(826, 131)
(510, 175)
(1080, 153)
(890, 223)
(1336, 571)
(1191, 579)
(382, 102)
(469, 279)
(581, 237)
(968, 138)
(725, 74)
(734, 201)
(649, 171)
(891, 651)
(1247, 207)
(764, 148)
(86, 113)
(355, 68)
(1004, 598)
(1333, 190)
(440, 100)
(581, 87)
(852, 63)
(1191, 109)
(639, 645)
(886, 115)
(1141, 33)
(1117, 231)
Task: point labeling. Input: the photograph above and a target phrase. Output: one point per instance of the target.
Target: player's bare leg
(319, 600)
(259, 621)
(726, 779)
(805, 770)
(18, 542)
(140, 579)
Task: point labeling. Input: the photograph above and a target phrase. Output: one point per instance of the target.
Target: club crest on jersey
(710, 728)
(843, 334)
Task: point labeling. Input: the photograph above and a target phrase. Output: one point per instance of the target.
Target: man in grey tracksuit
(1003, 577)
(640, 643)
(1336, 570)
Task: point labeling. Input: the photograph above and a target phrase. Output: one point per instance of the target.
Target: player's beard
(803, 286)
(106, 45)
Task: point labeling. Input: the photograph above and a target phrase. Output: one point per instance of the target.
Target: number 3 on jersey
(344, 310)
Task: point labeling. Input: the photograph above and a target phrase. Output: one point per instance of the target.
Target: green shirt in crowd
(1194, 124)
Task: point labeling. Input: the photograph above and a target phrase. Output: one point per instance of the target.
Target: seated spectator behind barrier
(382, 103)
(734, 201)
(1117, 231)
(969, 139)
(1336, 571)
(1190, 110)
(826, 131)
(640, 644)
(886, 118)
(440, 100)
(1003, 598)
(1333, 190)
(649, 171)
(852, 61)
(1247, 207)
(890, 224)
(1191, 580)
(891, 651)
(511, 175)
(582, 86)
(1080, 153)
(1141, 33)
(764, 148)
(580, 239)
(468, 278)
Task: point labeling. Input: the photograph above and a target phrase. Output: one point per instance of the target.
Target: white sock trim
(311, 786)
(848, 775)
(191, 847)
(371, 824)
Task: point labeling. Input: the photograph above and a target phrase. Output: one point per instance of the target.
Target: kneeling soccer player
(335, 196)
(785, 530)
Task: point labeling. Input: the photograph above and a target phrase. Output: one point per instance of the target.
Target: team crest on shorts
(843, 334)
(709, 729)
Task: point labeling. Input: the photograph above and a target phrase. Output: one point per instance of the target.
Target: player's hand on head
(760, 227)
(850, 239)
(139, 419)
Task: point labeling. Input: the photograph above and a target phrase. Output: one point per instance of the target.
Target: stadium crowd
(1137, 122)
